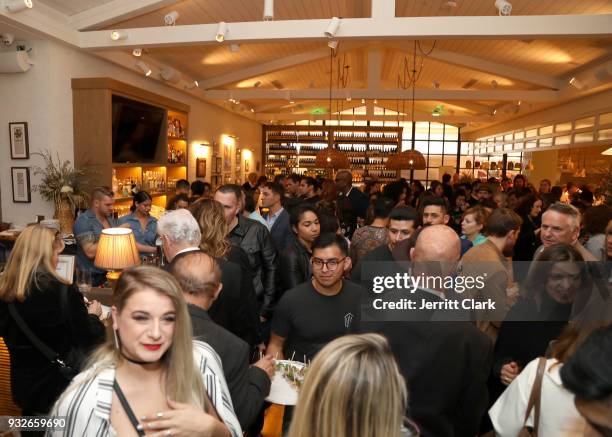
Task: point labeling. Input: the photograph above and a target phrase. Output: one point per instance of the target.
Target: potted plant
(61, 184)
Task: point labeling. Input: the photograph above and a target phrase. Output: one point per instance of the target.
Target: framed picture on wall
(18, 133)
(227, 157)
(246, 166)
(201, 167)
(20, 177)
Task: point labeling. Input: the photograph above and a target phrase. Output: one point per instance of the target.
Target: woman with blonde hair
(353, 388)
(35, 302)
(236, 307)
(150, 375)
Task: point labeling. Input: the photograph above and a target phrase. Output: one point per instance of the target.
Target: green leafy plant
(60, 181)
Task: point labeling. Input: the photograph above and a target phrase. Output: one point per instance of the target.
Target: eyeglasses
(331, 264)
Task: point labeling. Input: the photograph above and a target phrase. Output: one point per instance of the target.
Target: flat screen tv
(138, 130)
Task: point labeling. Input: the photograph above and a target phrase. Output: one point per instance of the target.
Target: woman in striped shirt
(150, 375)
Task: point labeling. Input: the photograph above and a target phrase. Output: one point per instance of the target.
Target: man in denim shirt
(87, 230)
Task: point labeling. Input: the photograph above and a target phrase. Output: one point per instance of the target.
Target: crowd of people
(289, 269)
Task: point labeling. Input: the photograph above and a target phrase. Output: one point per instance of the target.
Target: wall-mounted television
(138, 130)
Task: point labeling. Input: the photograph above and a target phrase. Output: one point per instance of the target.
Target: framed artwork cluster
(20, 149)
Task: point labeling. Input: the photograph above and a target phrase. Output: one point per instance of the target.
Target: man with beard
(489, 259)
(435, 212)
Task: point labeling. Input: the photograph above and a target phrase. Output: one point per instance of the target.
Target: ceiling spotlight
(363, 101)
(494, 111)
(170, 75)
(376, 101)
(170, 19)
(332, 28)
(576, 83)
(519, 103)
(17, 5)
(349, 98)
(504, 7)
(221, 31)
(137, 52)
(144, 67)
(268, 14)
(234, 48)
(333, 44)
(257, 84)
(192, 85)
(493, 84)
(117, 35)
(252, 109)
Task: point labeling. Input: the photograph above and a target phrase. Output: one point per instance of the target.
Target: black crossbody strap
(127, 408)
(48, 353)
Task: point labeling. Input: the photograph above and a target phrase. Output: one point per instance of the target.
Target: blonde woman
(149, 376)
(352, 389)
(52, 309)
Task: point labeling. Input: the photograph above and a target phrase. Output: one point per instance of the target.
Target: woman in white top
(558, 415)
(170, 384)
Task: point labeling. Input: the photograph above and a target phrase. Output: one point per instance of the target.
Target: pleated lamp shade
(407, 160)
(331, 158)
(116, 251)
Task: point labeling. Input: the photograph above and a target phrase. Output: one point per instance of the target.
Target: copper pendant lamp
(410, 159)
(330, 157)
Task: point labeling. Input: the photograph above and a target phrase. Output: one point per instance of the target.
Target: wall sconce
(201, 150)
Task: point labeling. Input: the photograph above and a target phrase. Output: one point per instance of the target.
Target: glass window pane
(531, 133)
(499, 139)
(436, 147)
(583, 137)
(406, 145)
(379, 111)
(361, 122)
(605, 134)
(331, 122)
(451, 132)
(346, 122)
(420, 175)
(434, 161)
(450, 148)
(531, 145)
(508, 137)
(605, 118)
(316, 123)
(545, 142)
(361, 110)
(436, 131)
(421, 146)
(519, 135)
(584, 122)
(565, 139)
(518, 146)
(450, 161)
(391, 123)
(507, 147)
(422, 130)
(499, 148)
(463, 161)
(546, 130)
(302, 123)
(376, 123)
(466, 147)
(562, 127)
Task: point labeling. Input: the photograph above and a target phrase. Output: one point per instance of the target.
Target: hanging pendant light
(410, 159)
(330, 157)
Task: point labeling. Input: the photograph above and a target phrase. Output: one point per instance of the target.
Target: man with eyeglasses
(317, 311)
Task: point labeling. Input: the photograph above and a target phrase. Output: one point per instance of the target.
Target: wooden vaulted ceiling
(556, 59)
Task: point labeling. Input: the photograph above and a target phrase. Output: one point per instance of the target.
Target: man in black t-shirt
(316, 312)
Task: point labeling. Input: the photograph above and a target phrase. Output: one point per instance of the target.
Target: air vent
(469, 84)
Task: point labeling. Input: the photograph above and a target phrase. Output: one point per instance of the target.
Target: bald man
(351, 203)
(200, 279)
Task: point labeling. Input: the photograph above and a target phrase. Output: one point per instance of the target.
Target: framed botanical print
(20, 177)
(20, 147)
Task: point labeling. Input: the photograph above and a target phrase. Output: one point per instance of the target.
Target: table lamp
(116, 251)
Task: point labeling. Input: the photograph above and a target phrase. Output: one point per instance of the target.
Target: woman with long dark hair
(295, 260)
(141, 223)
(529, 208)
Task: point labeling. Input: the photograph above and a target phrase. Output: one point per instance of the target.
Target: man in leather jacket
(255, 240)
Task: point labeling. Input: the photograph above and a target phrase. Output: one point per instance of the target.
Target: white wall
(43, 98)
